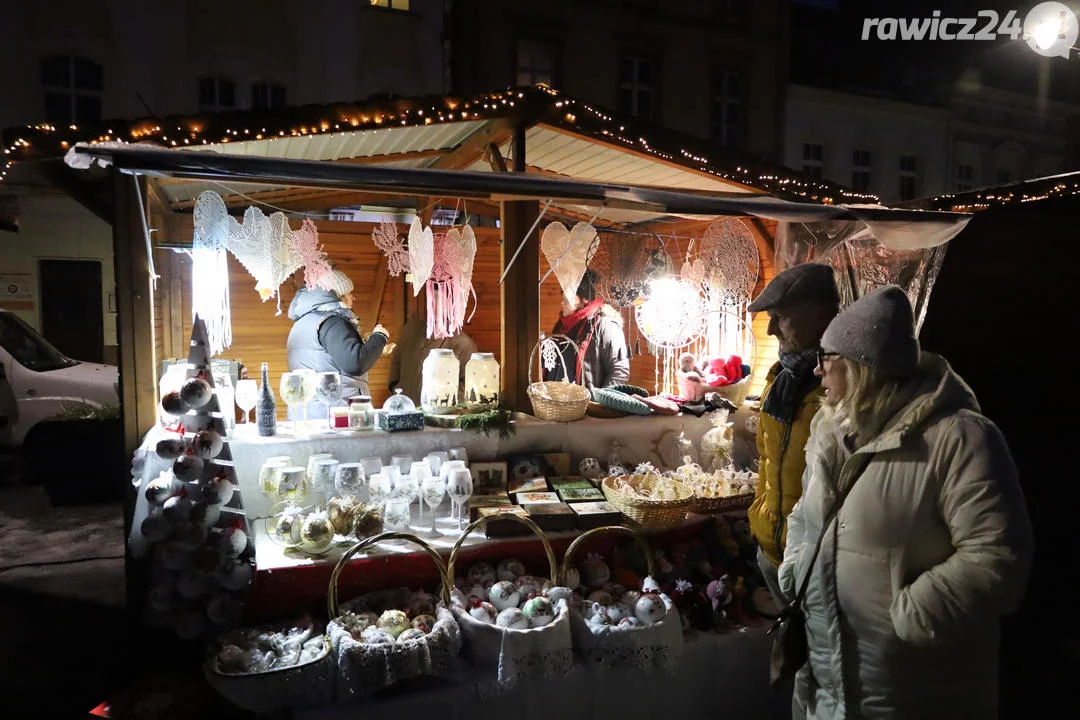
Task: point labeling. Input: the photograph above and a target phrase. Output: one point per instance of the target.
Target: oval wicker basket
(648, 513)
(705, 505)
(556, 400)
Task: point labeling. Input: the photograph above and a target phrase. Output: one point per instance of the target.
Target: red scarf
(580, 326)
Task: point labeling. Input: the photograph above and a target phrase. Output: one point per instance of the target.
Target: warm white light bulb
(1045, 34)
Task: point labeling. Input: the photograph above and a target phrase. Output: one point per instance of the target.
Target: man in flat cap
(801, 301)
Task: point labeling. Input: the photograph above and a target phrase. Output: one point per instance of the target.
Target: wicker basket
(705, 505)
(647, 513)
(309, 683)
(735, 392)
(556, 400)
(363, 668)
(505, 656)
(656, 647)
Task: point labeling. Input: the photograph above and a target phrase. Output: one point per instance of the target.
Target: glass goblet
(397, 516)
(433, 489)
(247, 396)
(349, 479)
(328, 389)
(420, 471)
(459, 487)
(292, 392)
(323, 476)
(379, 488)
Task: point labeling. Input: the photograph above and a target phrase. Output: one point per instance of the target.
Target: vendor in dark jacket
(596, 328)
(325, 338)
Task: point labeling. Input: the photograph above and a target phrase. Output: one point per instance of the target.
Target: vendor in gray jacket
(596, 328)
(325, 337)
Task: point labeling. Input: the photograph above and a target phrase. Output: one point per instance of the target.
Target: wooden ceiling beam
(497, 131)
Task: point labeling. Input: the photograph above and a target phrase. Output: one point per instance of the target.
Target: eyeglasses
(822, 355)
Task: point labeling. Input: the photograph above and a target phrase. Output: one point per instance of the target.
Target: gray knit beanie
(877, 330)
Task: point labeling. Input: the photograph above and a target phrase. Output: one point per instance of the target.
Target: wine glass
(292, 392)
(459, 453)
(397, 515)
(328, 389)
(267, 479)
(408, 487)
(349, 479)
(459, 487)
(323, 475)
(226, 394)
(420, 472)
(436, 459)
(379, 488)
(291, 483)
(444, 473)
(308, 382)
(433, 488)
(247, 395)
(402, 462)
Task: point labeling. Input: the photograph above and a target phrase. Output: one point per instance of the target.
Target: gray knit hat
(806, 282)
(340, 283)
(877, 330)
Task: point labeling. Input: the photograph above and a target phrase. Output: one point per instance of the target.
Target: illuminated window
(216, 93)
(391, 4)
(73, 89)
(636, 87)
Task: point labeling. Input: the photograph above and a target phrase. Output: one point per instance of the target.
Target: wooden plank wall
(260, 335)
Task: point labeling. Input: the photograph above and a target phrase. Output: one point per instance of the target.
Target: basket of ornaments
(386, 637)
(622, 627)
(515, 626)
(648, 499)
(268, 669)
(724, 489)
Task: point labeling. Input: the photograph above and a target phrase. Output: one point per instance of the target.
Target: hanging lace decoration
(730, 259)
(386, 238)
(568, 252)
(450, 281)
(317, 270)
(210, 269)
(421, 254)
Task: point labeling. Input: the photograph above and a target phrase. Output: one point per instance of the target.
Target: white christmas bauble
(504, 594)
(206, 559)
(218, 490)
(617, 612)
(189, 535)
(191, 583)
(510, 569)
(172, 404)
(177, 509)
(188, 468)
(650, 608)
(483, 611)
(155, 527)
(539, 611)
(590, 468)
(513, 619)
(170, 448)
(481, 574)
(207, 444)
(556, 594)
(172, 556)
(195, 392)
(160, 489)
(233, 541)
(204, 514)
(410, 634)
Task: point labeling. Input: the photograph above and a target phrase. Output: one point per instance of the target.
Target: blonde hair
(868, 394)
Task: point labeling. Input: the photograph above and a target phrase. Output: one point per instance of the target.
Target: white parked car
(37, 381)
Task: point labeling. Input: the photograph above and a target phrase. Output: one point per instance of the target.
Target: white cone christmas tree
(200, 539)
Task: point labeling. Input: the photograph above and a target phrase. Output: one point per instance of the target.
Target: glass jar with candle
(439, 381)
(360, 413)
(482, 383)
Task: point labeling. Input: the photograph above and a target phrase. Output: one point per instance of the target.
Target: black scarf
(791, 384)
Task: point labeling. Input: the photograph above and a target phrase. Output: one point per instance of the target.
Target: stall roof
(1025, 191)
(564, 136)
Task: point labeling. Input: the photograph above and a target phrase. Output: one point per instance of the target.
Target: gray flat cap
(805, 282)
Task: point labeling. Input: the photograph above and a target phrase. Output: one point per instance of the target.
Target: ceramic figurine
(630, 621)
(590, 468)
(483, 611)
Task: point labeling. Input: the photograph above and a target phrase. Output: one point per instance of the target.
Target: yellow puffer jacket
(782, 460)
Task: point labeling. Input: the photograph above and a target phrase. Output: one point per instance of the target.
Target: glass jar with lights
(482, 381)
(439, 381)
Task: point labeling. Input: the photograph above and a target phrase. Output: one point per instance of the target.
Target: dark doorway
(71, 316)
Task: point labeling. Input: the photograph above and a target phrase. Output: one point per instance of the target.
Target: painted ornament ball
(188, 468)
(173, 404)
(195, 393)
(207, 444)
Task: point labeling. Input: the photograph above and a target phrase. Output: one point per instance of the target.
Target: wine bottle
(266, 411)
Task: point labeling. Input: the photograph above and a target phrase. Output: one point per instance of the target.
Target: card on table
(552, 516)
(525, 498)
(574, 495)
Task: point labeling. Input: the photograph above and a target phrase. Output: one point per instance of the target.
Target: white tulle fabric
(505, 657)
(363, 668)
(650, 648)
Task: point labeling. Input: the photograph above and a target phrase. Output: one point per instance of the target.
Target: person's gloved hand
(380, 329)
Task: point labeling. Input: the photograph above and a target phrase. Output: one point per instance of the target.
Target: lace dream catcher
(443, 264)
(569, 252)
(673, 317)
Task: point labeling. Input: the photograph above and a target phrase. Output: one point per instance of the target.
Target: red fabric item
(661, 405)
(722, 371)
(579, 326)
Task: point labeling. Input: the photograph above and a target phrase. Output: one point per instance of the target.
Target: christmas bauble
(206, 559)
(177, 509)
(424, 622)
(510, 569)
(205, 514)
(410, 634)
(342, 513)
(191, 583)
(316, 534)
(172, 404)
(172, 556)
(556, 594)
(162, 596)
(170, 448)
(512, 618)
(393, 622)
(189, 535)
(232, 541)
(155, 527)
(481, 574)
(529, 585)
(367, 522)
(650, 608)
(217, 491)
(504, 594)
(235, 574)
(223, 609)
(483, 611)
(421, 604)
(188, 468)
(377, 636)
(195, 393)
(539, 611)
(159, 490)
(207, 444)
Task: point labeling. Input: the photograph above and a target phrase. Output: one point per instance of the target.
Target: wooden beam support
(520, 291)
(495, 158)
(473, 148)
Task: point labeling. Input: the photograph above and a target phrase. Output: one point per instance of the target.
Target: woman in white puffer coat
(932, 544)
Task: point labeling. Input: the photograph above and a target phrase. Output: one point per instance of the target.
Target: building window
(535, 62)
(1004, 177)
(812, 160)
(908, 177)
(73, 89)
(860, 171)
(216, 93)
(265, 96)
(391, 4)
(637, 87)
(965, 177)
(727, 109)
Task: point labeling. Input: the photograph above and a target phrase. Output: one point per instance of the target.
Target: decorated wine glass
(459, 487)
(328, 389)
(408, 487)
(433, 489)
(247, 395)
(349, 479)
(379, 488)
(308, 382)
(292, 392)
(397, 516)
(421, 471)
(444, 473)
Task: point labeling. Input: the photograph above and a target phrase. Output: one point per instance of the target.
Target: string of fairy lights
(539, 101)
(1031, 191)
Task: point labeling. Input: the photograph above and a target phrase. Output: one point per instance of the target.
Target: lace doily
(421, 254)
(730, 259)
(568, 252)
(651, 648)
(317, 270)
(386, 238)
(364, 668)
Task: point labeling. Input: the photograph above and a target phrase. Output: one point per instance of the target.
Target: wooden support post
(520, 292)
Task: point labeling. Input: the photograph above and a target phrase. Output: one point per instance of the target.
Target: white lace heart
(421, 254)
(569, 253)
